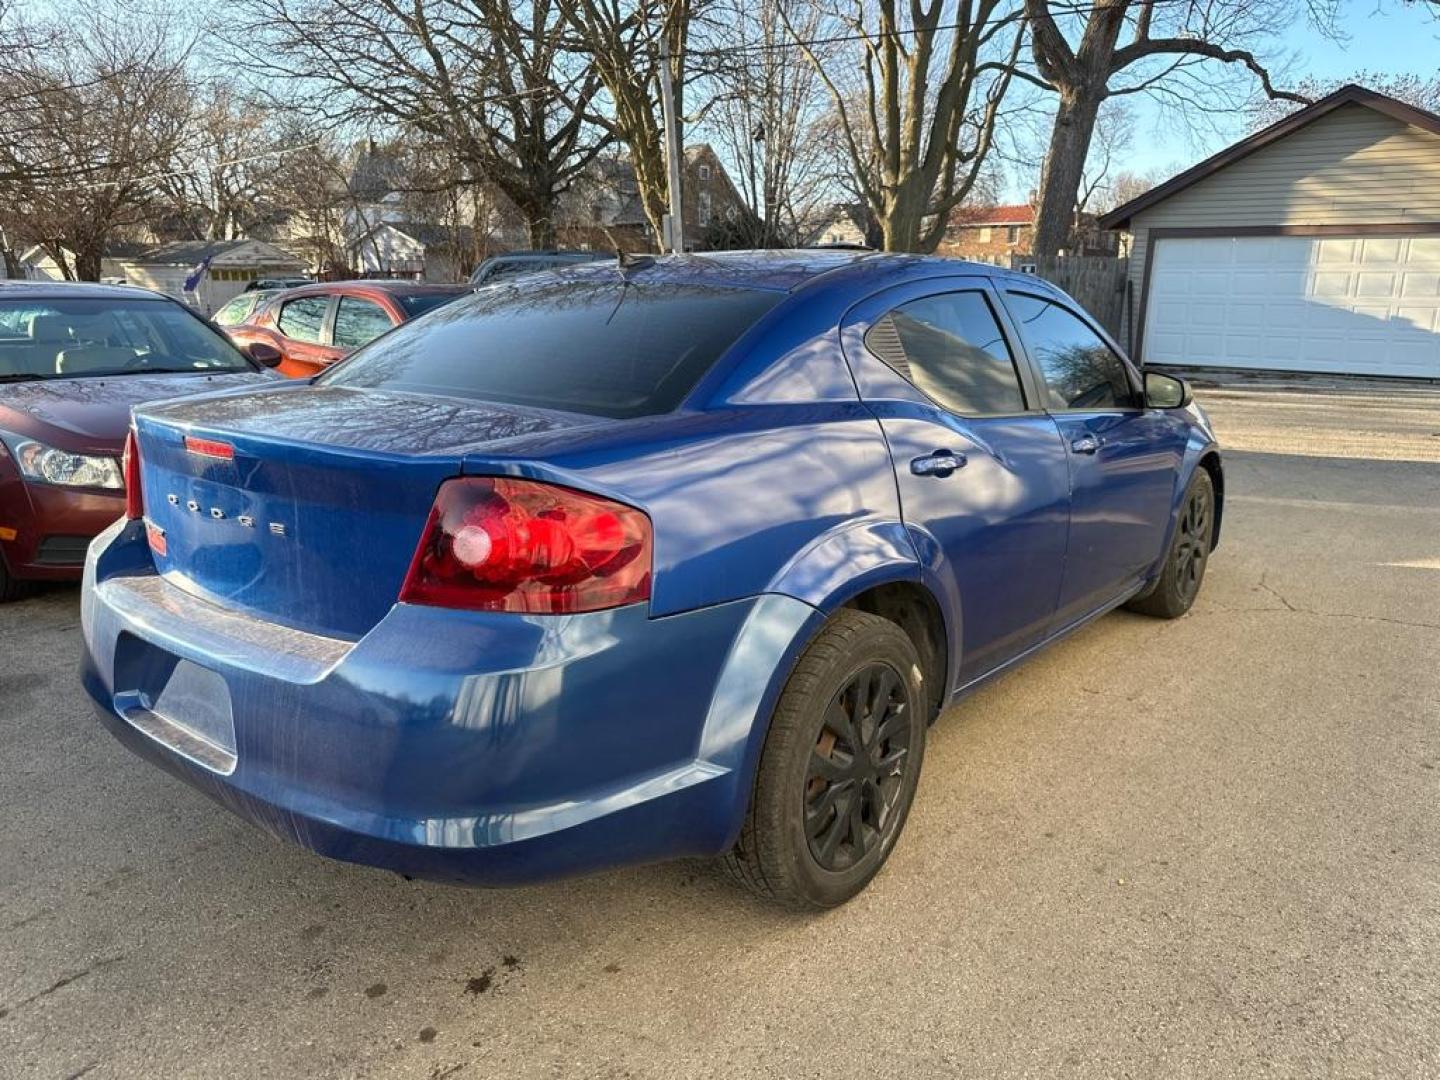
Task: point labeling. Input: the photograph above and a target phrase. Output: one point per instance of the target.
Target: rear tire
(1174, 591)
(839, 769)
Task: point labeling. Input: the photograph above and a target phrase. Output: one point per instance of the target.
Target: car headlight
(51, 465)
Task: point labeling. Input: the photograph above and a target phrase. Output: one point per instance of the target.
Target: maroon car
(73, 360)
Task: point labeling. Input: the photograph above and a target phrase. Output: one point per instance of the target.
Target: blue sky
(1382, 36)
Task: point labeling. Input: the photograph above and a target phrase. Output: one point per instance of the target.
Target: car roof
(548, 253)
(71, 290)
(380, 285)
(787, 270)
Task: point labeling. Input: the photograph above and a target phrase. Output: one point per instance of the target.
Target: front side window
(72, 338)
(303, 319)
(598, 345)
(951, 347)
(358, 322)
(1080, 370)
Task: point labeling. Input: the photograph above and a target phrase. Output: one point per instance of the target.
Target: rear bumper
(51, 526)
(460, 746)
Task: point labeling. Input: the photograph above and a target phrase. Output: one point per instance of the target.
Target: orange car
(316, 325)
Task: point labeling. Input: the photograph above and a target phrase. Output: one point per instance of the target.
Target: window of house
(703, 172)
(1012, 234)
(358, 322)
(985, 235)
(302, 319)
(704, 208)
(951, 347)
(1080, 370)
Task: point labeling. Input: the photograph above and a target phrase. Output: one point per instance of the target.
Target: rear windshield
(596, 346)
(60, 338)
(419, 303)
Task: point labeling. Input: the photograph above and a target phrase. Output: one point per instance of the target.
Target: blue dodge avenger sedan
(631, 561)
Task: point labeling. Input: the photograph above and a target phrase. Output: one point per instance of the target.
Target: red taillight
(497, 544)
(130, 470)
(210, 448)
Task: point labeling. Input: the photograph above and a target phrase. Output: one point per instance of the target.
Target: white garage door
(1359, 305)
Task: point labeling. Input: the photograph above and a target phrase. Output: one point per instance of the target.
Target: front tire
(10, 589)
(1179, 582)
(839, 769)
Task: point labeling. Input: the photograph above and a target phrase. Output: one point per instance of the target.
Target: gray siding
(1351, 166)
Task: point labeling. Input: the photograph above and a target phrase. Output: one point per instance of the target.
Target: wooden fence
(1098, 282)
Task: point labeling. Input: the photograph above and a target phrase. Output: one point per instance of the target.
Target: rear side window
(593, 345)
(358, 322)
(952, 349)
(1080, 370)
(303, 319)
(236, 310)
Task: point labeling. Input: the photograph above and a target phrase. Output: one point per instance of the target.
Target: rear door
(981, 471)
(1124, 459)
(304, 325)
(359, 320)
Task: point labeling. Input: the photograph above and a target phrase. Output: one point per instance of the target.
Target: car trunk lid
(305, 506)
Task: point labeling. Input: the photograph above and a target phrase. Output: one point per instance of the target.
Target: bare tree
(921, 121)
(1166, 45)
(232, 156)
(770, 118)
(621, 40)
(497, 83)
(1128, 185)
(92, 121)
(1422, 91)
(1114, 130)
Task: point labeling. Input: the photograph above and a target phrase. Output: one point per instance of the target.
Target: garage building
(1311, 246)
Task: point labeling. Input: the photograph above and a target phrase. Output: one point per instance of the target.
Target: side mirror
(1166, 391)
(264, 353)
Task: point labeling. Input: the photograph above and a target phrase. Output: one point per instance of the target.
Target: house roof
(191, 252)
(422, 232)
(971, 216)
(855, 214)
(1349, 94)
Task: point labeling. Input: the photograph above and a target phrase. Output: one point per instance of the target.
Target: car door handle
(1086, 444)
(941, 463)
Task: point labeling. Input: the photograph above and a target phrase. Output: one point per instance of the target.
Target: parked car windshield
(57, 338)
(600, 346)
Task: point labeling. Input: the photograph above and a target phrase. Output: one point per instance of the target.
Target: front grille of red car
(62, 550)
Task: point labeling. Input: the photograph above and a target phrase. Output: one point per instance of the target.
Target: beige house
(232, 264)
(1313, 246)
(847, 225)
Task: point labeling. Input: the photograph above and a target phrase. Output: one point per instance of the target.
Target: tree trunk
(87, 262)
(541, 228)
(902, 223)
(1064, 165)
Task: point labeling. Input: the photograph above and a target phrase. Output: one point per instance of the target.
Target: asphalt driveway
(1198, 848)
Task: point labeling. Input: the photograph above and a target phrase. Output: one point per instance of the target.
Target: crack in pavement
(64, 981)
(1294, 609)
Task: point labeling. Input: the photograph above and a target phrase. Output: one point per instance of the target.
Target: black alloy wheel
(840, 766)
(856, 770)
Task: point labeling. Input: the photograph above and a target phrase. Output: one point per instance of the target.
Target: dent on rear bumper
(489, 748)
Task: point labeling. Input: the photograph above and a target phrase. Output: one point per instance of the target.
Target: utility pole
(675, 220)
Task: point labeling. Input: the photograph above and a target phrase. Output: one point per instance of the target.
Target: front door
(1123, 458)
(982, 475)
